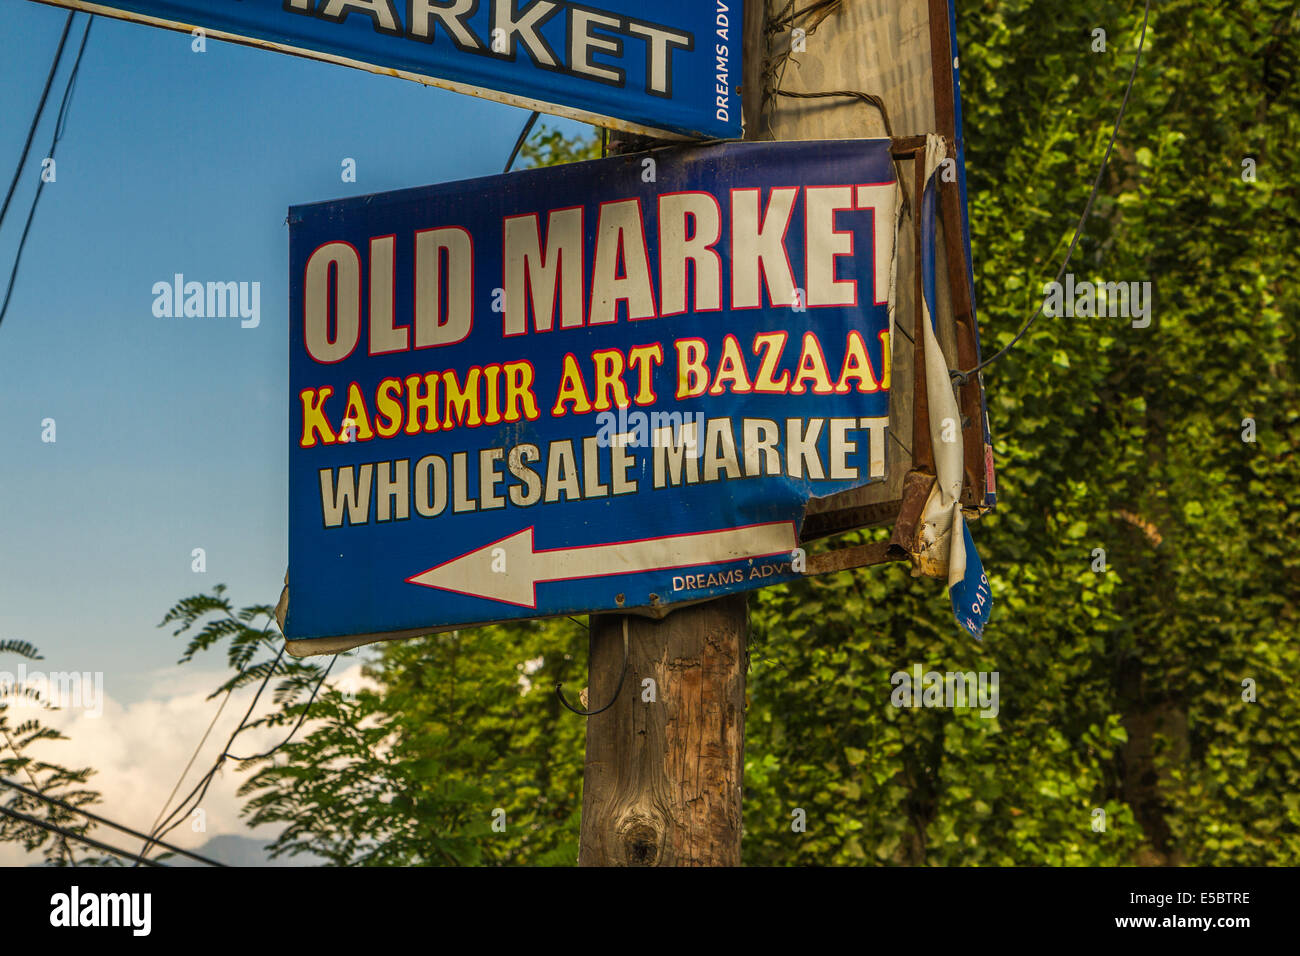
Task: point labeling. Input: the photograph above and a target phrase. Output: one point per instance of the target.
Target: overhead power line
(201, 788)
(54, 142)
(301, 717)
(104, 820)
(194, 756)
(177, 816)
(71, 835)
(197, 749)
(523, 135)
(36, 117)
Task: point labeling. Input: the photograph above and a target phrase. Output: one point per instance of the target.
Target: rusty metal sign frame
(904, 512)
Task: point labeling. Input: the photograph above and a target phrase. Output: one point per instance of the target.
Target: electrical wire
(40, 188)
(36, 119)
(70, 835)
(104, 820)
(523, 136)
(67, 851)
(871, 100)
(796, 14)
(194, 756)
(199, 747)
(201, 788)
(301, 717)
(622, 676)
(961, 377)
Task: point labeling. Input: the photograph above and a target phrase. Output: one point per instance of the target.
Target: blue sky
(171, 433)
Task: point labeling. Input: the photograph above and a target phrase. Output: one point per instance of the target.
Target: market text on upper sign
(589, 34)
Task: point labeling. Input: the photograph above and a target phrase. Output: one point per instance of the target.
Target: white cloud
(139, 749)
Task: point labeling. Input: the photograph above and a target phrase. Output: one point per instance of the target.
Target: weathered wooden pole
(664, 767)
(662, 782)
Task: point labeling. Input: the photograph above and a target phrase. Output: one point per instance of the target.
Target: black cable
(559, 685)
(40, 187)
(961, 377)
(36, 119)
(523, 135)
(199, 746)
(795, 15)
(5, 738)
(868, 98)
(207, 778)
(301, 717)
(156, 836)
(227, 755)
(167, 825)
(871, 100)
(104, 820)
(70, 835)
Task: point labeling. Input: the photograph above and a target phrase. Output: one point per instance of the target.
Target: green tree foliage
(1120, 690)
(444, 737)
(548, 146)
(23, 741)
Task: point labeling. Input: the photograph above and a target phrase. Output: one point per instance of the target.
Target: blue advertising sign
(673, 66)
(591, 387)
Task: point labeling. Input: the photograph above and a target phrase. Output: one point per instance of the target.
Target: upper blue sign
(671, 66)
(603, 385)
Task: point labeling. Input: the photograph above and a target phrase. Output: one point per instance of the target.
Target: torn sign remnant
(944, 544)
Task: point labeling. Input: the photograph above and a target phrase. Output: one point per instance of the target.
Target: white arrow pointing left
(508, 570)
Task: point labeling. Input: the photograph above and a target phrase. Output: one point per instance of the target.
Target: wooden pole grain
(664, 764)
(663, 777)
